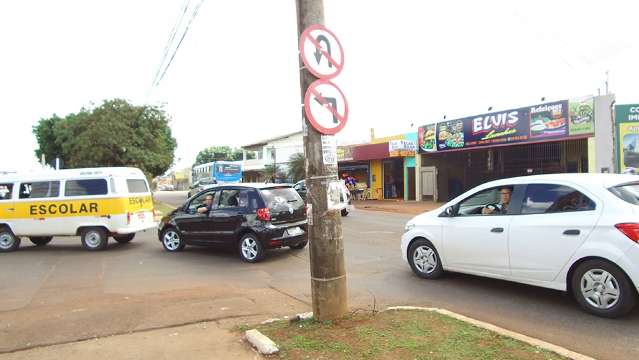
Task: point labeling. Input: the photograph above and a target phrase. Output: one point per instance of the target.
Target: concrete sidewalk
(397, 206)
(207, 340)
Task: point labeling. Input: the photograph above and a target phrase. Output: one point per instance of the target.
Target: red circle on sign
(310, 92)
(306, 35)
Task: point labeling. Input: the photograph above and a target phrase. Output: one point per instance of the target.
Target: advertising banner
(402, 148)
(627, 119)
(533, 123)
(426, 138)
(582, 116)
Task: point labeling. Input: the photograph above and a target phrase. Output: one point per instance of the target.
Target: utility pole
(326, 246)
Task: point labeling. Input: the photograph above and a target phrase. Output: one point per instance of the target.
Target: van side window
(137, 186)
(5, 191)
(39, 189)
(86, 187)
(113, 189)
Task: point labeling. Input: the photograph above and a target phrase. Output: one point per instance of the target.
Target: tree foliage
(115, 133)
(297, 167)
(273, 172)
(220, 153)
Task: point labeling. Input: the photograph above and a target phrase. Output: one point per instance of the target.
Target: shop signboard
(627, 119)
(344, 153)
(528, 124)
(402, 148)
(582, 116)
(426, 138)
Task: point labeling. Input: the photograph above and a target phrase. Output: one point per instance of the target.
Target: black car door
(192, 224)
(227, 218)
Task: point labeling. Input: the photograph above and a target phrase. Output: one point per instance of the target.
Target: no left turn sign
(326, 107)
(321, 52)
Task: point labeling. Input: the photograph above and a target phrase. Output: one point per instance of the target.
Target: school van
(91, 203)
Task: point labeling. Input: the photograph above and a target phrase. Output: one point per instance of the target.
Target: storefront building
(627, 135)
(555, 137)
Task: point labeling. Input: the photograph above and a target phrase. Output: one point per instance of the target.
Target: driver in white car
(493, 209)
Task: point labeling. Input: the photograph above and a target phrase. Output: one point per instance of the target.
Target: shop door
(410, 172)
(429, 182)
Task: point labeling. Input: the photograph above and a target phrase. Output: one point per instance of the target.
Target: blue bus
(221, 171)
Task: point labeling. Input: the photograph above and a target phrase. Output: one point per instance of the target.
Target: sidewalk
(397, 206)
(207, 340)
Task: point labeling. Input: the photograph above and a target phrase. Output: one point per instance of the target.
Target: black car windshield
(276, 198)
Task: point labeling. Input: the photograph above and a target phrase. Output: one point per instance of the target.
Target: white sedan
(572, 232)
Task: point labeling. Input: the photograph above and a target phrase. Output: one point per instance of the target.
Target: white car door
(477, 243)
(555, 220)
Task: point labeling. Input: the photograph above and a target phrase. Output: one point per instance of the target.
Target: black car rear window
(277, 197)
(627, 192)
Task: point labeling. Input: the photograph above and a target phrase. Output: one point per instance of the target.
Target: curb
(261, 341)
(501, 331)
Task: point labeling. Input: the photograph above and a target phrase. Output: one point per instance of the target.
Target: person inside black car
(207, 205)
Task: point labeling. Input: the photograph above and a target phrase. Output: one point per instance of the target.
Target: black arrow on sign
(318, 53)
(328, 101)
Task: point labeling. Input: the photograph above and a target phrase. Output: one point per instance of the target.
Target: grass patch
(396, 335)
(161, 207)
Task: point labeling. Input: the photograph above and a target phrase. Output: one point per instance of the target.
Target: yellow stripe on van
(69, 208)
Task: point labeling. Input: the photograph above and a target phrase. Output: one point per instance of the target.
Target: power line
(167, 47)
(186, 30)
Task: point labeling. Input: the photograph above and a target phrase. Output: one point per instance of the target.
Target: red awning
(370, 152)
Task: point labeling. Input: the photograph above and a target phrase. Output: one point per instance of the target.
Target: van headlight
(408, 227)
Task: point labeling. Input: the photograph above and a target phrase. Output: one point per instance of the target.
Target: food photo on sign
(549, 120)
(582, 119)
(450, 135)
(426, 138)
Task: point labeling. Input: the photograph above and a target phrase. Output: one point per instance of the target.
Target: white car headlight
(408, 227)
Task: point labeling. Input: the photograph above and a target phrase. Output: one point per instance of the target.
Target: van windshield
(136, 186)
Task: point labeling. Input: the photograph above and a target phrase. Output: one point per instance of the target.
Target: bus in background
(216, 172)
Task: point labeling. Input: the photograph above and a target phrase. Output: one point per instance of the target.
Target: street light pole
(326, 246)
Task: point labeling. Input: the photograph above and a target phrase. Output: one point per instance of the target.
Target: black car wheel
(251, 249)
(424, 259)
(8, 241)
(94, 239)
(299, 246)
(602, 289)
(172, 240)
(123, 239)
(40, 240)
(344, 212)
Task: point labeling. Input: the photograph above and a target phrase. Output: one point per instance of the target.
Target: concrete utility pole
(326, 246)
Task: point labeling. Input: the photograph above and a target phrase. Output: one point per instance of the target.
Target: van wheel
(8, 241)
(251, 249)
(344, 212)
(40, 240)
(123, 239)
(94, 239)
(172, 240)
(602, 289)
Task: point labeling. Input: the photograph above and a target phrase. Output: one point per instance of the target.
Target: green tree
(297, 167)
(220, 153)
(273, 172)
(115, 133)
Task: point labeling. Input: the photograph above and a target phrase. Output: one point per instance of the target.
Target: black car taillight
(264, 214)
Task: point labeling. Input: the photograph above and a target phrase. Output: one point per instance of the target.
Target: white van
(93, 203)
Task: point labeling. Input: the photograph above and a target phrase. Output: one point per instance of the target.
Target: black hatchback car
(248, 217)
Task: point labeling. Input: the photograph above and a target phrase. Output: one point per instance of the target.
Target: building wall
(604, 158)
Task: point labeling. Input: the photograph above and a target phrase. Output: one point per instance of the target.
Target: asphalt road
(60, 292)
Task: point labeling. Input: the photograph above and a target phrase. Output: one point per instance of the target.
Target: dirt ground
(396, 206)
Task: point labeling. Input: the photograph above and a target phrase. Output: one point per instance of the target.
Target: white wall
(603, 141)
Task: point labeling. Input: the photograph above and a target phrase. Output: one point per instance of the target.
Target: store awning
(370, 152)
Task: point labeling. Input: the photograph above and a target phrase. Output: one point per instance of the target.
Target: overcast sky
(235, 79)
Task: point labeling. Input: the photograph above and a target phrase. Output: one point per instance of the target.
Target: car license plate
(294, 231)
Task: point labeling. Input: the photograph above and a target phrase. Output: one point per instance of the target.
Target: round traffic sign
(321, 52)
(326, 107)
